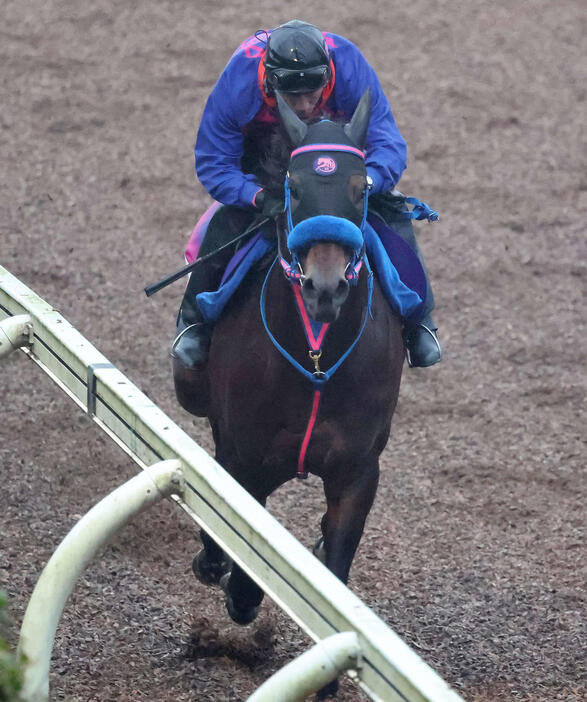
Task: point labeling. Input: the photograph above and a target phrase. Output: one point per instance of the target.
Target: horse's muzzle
(323, 302)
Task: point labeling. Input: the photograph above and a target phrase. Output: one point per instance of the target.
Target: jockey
(317, 74)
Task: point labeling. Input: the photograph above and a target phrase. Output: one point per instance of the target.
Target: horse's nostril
(308, 284)
(341, 292)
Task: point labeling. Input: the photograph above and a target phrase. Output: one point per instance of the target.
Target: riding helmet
(296, 59)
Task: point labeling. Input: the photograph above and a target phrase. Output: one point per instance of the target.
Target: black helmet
(297, 58)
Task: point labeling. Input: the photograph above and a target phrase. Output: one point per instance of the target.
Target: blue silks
(405, 301)
(237, 102)
(402, 299)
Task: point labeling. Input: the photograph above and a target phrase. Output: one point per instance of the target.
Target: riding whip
(155, 287)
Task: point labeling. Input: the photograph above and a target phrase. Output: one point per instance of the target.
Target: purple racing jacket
(238, 100)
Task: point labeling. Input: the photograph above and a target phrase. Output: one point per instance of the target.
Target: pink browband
(328, 147)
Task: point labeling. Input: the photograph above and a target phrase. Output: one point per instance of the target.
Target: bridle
(293, 268)
(315, 332)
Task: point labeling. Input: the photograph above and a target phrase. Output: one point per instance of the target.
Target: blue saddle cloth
(403, 282)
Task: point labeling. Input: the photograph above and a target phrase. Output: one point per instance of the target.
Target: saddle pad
(212, 303)
(197, 236)
(403, 257)
(403, 299)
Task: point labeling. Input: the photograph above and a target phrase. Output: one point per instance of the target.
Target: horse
(278, 409)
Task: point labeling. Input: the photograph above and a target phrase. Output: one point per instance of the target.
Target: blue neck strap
(318, 380)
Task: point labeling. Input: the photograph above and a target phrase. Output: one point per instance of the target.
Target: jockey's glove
(267, 205)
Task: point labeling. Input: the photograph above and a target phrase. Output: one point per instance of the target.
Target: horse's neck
(266, 155)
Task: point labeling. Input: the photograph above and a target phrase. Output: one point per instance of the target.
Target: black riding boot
(422, 345)
(192, 342)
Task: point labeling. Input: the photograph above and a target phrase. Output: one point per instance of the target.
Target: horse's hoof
(239, 615)
(209, 572)
(319, 551)
(327, 691)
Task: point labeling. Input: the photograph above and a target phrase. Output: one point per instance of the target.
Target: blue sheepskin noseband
(325, 228)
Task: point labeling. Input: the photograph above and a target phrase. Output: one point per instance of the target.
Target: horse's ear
(294, 126)
(356, 129)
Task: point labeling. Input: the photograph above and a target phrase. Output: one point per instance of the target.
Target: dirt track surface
(474, 551)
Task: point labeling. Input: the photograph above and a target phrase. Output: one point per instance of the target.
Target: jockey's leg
(192, 342)
(422, 345)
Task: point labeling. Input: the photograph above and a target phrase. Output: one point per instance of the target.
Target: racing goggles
(292, 80)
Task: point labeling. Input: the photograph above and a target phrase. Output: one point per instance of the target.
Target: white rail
(74, 553)
(287, 572)
(311, 671)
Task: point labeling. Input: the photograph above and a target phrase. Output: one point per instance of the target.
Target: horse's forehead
(322, 135)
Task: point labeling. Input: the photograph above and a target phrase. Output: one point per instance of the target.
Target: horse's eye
(294, 188)
(294, 193)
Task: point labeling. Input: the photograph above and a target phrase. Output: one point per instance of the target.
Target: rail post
(312, 670)
(71, 557)
(15, 332)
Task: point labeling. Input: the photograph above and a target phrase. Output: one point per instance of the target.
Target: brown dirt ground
(473, 552)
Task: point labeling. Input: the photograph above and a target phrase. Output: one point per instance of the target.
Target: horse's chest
(267, 413)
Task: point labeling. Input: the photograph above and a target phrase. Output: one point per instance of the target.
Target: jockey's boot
(422, 345)
(192, 343)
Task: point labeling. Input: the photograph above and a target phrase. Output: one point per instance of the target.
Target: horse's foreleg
(342, 528)
(211, 563)
(344, 521)
(243, 595)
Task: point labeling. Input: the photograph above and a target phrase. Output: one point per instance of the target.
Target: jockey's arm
(233, 102)
(236, 99)
(385, 149)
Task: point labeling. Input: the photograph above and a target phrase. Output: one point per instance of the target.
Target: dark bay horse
(268, 417)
